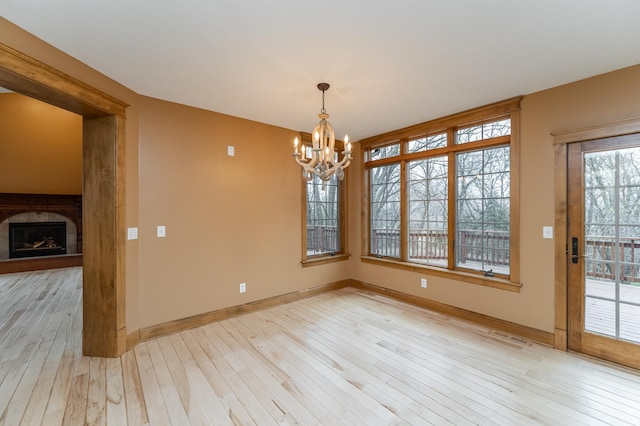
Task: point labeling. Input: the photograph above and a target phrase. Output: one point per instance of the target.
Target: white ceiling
(390, 63)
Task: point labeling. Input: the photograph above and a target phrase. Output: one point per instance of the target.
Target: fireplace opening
(33, 239)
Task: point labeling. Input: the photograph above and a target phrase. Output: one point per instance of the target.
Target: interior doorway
(104, 327)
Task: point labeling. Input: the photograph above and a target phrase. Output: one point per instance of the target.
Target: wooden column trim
(104, 331)
(24, 74)
(560, 266)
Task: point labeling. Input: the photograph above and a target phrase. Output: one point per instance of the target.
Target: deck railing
(474, 246)
(433, 245)
(601, 254)
(322, 239)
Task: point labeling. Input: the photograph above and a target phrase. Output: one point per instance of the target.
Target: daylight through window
(444, 198)
(323, 220)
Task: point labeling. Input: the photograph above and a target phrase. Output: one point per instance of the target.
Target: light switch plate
(231, 151)
(162, 231)
(132, 233)
(547, 232)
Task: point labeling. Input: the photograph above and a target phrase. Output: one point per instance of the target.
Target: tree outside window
(444, 199)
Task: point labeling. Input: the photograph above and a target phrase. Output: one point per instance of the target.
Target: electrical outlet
(423, 282)
(243, 287)
(161, 231)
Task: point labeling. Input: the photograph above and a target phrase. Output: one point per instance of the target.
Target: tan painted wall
(40, 147)
(228, 219)
(610, 97)
(237, 219)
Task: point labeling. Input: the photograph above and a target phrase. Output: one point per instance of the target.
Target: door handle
(574, 251)
(574, 257)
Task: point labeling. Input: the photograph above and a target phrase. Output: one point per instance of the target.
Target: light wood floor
(346, 357)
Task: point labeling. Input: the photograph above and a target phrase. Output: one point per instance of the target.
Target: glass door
(604, 248)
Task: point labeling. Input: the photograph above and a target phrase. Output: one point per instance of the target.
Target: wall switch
(243, 287)
(231, 151)
(423, 283)
(162, 231)
(547, 232)
(132, 233)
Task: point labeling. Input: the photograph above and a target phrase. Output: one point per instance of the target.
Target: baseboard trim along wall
(175, 326)
(523, 331)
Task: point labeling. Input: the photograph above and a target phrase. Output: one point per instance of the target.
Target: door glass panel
(629, 315)
(612, 243)
(600, 316)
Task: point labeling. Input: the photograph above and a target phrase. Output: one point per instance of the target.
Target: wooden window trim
(325, 258)
(467, 277)
(508, 108)
(484, 113)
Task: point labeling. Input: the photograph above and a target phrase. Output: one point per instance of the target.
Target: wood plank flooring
(345, 357)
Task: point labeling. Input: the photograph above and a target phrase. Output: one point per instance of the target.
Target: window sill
(466, 277)
(321, 260)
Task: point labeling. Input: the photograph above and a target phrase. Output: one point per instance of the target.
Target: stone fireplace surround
(41, 208)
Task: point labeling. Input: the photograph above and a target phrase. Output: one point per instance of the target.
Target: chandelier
(323, 159)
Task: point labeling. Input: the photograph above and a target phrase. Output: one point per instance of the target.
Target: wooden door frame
(561, 267)
(103, 143)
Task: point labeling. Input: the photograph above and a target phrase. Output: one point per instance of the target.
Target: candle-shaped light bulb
(347, 143)
(295, 145)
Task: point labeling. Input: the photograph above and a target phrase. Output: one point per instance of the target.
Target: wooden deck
(600, 315)
(345, 357)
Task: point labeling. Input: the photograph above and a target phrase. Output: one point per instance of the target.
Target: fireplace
(32, 239)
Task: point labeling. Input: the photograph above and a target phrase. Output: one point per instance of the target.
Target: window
(441, 195)
(385, 210)
(483, 204)
(323, 220)
(323, 217)
(428, 219)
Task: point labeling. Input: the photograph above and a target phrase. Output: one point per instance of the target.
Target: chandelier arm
(323, 161)
(306, 170)
(346, 160)
(306, 164)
